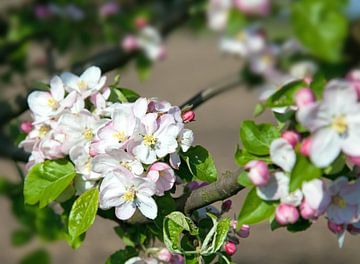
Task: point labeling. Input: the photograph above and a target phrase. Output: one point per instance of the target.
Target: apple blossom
(333, 122)
(88, 83)
(304, 97)
(254, 7)
(164, 255)
(291, 137)
(109, 9)
(163, 176)
(286, 214)
(26, 126)
(305, 146)
(83, 184)
(259, 173)
(282, 154)
(116, 159)
(126, 192)
(217, 13)
(130, 43)
(151, 43)
(82, 160)
(354, 78)
(188, 116)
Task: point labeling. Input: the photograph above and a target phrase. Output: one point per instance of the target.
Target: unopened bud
(140, 22)
(26, 126)
(305, 147)
(286, 214)
(307, 212)
(226, 206)
(258, 172)
(188, 116)
(304, 96)
(292, 137)
(354, 160)
(164, 255)
(353, 229)
(244, 231)
(335, 228)
(230, 248)
(129, 43)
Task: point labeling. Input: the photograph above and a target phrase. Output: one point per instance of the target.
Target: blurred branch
(225, 187)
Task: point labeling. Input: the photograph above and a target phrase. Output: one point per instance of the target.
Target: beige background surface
(192, 64)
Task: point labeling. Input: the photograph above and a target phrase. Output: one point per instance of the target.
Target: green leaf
(39, 256)
(285, 95)
(254, 210)
(259, 109)
(122, 95)
(321, 26)
(303, 171)
(47, 180)
(143, 66)
(121, 256)
(337, 165)
(200, 164)
(318, 85)
(83, 212)
(236, 22)
(257, 138)
(174, 224)
(244, 180)
(21, 237)
(242, 157)
(299, 226)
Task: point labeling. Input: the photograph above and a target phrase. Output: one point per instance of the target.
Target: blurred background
(193, 62)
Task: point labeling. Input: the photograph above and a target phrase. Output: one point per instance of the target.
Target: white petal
(147, 206)
(325, 147)
(38, 103)
(57, 88)
(71, 81)
(91, 75)
(316, 194)
(125, 211)
(277, 187)
(282, 154)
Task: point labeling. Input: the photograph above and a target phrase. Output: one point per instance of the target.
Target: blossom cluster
(328, 138)
(129, 150)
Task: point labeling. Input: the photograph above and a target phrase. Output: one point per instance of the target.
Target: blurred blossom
(42, 11)
(74, 12)
(109, 9)
(254, 7)
(353, 9)
(218, 12)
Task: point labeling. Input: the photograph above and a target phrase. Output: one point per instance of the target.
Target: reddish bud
(141, 22)
(353, 229)
(188, 116)
(230, 248)
(335, 228)
(304, 96)
(129, 43)
(305, 147)
(292, 137)
(226, 206)
(244, 231)
(307, 212)
(259, 173)
(26, 126)
(354, 160)
(286, 214)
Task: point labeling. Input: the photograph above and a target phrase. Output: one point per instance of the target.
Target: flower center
(82, 84)
(88, 134)
(119, 136)
(43, 130)
(149, 140)
(125, 164)
(339, 124)
(129, 195)
(53, 103)
(338, 201)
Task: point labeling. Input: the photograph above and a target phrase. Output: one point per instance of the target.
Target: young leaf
(47, 180)
(40, 256)
(122, 95)
(21, 237)
(285, 95)
(83, 212)
(303, 171)
(244, 180)
(122, 256)
(200, 164)
(254, 210)
(257, 138)
(242, 157)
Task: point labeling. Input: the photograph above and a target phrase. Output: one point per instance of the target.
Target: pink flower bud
(353, 229)
(286, 214)
(305, 147)
(230, 248)
(188, 116)
(129, 43)
(335, 228)
(109, 9)
(226, 206)
(233, 224)
(259, 173)
(354, 160)
(177, 259)
(307, 80)
(244, 231)
(26, 126)
(42, 11)
(164, 255)
(140, 22)
(261, 8)
(304, 96)
(292, 137)
(162, 54)
(307, 212)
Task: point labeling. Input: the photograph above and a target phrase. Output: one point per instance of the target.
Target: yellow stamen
(82, 84)
(88, 134)
(129, 195)
(120, 136)
(125, 164)
(340, 202)
(149, 140)
(339, 124)
(43, 130)
(52, 103)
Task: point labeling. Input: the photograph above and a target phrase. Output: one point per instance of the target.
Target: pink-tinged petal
(149, 121)
(103, 163)
(70, 100)
(282, 154)
(351, 145)
(111, 197)
(57, 88)
(147, 206)
(144, 154)
(125, 211)
(71, 81)
(140, 107)
(308, 117)
(153, 175)
(277, 187)
(325, 147)
(91, 75)
(175, 160)
(316, 195)
(38, 103)
(334, 95)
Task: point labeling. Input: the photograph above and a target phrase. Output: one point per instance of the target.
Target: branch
(225, 187)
